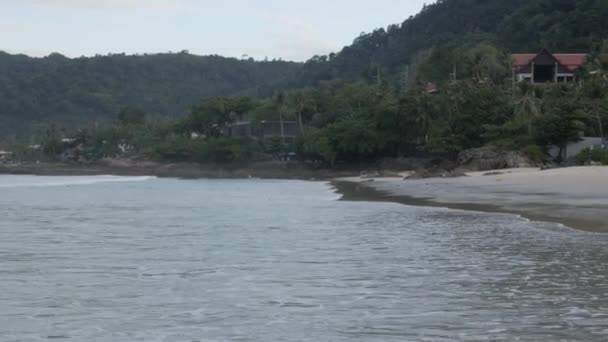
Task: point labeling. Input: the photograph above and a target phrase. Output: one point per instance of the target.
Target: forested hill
(514, 25)
(80, 91)
(73, 92)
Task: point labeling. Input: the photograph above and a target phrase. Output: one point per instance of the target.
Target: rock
(369, 174)
(435, 173)
(404, 163)
(492, 158)
(390, 174)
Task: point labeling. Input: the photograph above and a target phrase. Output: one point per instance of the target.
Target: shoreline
(262, 170)
(576, 210)
(574, 197)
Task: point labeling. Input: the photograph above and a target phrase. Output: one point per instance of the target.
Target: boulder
(492, 158)
(435, 173)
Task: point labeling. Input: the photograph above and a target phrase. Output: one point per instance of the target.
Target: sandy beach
(576, 197)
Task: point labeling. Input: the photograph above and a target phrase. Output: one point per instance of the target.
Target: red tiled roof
(572, 61)
(522, 59)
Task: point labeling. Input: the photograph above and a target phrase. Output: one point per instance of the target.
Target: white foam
(55, 181)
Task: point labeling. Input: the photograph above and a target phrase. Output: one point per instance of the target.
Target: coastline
(574, 197)
(263, 170)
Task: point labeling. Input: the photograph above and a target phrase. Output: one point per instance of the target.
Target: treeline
(365, 102)
(359, 121)
(37, 91)
(70, 92)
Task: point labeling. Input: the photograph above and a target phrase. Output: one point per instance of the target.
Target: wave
(54, 181)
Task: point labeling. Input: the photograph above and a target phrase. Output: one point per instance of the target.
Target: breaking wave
(53, 181)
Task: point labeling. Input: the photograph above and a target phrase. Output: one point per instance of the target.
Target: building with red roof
(545, 67)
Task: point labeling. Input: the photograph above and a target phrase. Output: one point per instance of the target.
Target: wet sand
(576, 197)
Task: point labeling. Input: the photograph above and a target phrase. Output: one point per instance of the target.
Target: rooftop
(572, 61)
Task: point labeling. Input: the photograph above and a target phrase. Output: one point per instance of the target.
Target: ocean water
(145, 259)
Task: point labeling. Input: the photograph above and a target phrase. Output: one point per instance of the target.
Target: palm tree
(527, 105)
(599, 64)
(279, 100)
(596, 93)
(299, 99)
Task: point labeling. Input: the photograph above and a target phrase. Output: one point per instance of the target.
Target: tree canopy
(73, 92)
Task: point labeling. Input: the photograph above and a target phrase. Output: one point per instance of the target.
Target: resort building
(545, 67)
(263, 130)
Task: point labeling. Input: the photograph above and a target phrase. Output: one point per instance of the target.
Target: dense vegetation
(358, 121)
(515, 25)
(366, 102)
(37, 91)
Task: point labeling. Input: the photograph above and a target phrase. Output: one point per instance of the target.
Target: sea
(144, 259)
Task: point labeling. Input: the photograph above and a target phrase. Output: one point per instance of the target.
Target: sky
(287, 29)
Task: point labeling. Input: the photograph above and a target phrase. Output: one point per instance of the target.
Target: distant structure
(431, 88)
(5, 155)
(545, 67)
(263, 130)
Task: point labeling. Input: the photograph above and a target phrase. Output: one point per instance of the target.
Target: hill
(73, 92)
(81, 91)
(514, 25)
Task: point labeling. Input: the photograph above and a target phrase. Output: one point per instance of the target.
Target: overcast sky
(292, 30)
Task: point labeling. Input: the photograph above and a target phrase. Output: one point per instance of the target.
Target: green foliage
(596, 155)
(212, 115)
(131, 116)
(215, 150)
(535, 153)
(223, 150)
(365, 102)
(354, 138)
(563, 119)
(315, 144)
(431, 42)
(52, 144)
(80, 91)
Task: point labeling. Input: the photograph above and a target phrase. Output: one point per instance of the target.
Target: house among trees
(431, 88)
(263, 130)
(546, 67)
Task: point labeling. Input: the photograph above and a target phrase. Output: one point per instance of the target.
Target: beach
(576, 197)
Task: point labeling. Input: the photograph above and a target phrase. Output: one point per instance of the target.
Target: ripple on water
(115, 259)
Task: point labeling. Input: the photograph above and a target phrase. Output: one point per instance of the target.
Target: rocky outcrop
(492, 158)
(435, 173)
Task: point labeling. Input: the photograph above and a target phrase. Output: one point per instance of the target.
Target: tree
(131, 116)
(299, 101)
(595, 93)
(564, 119)
(527, 105)
(52, 144)
(212, 115)
(314, 143)
(279, 101)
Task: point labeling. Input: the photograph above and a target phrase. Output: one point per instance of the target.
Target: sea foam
(10, 181)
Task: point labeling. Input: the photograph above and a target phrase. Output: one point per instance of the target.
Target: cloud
(112, 5)
(9, 28)
(295, 39)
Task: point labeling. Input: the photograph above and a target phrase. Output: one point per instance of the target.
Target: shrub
(224, 150)
(595, 155)
(314, 144)
(534, 152)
